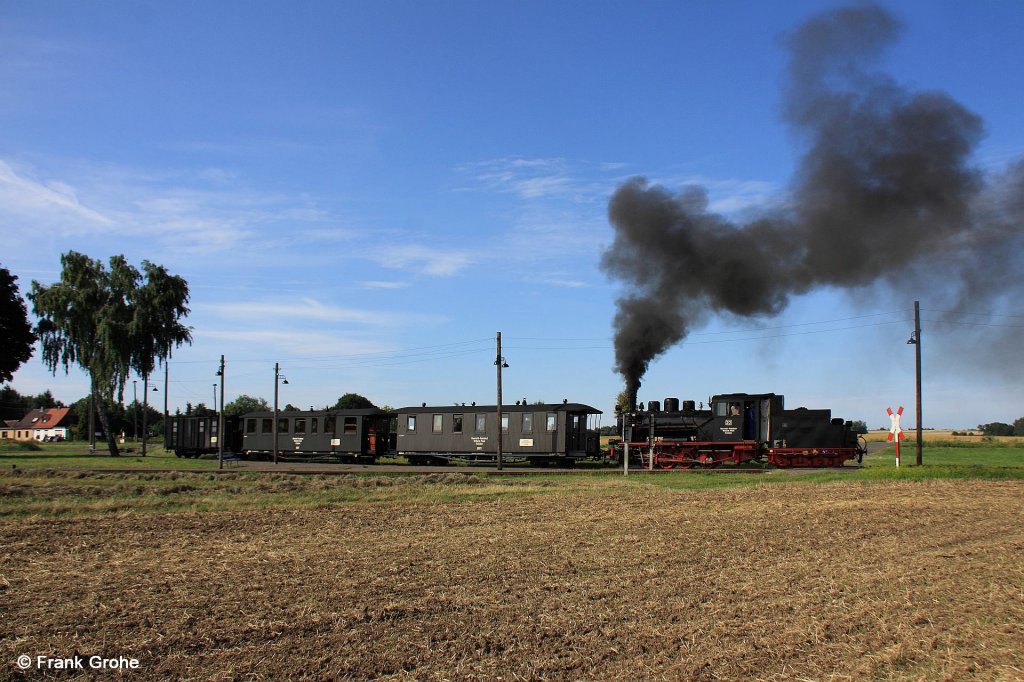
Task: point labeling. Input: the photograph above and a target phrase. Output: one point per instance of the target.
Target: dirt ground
(784, 582)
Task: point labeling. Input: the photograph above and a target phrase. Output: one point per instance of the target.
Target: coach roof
(543, 407)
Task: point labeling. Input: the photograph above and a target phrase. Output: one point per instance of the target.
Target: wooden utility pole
(145, 408)
(277, 375)
(499, 362)
(220, 417)
(917, 353)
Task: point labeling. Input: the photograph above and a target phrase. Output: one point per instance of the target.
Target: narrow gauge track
(307, 468)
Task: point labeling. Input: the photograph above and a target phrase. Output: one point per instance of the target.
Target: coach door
(573, 439)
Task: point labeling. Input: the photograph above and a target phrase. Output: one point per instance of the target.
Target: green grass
(55, 494)
(75, 455)
(53, 481)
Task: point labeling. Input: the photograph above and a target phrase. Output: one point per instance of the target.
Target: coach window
(527, 422)
(457, 423)
(202, 426)
(437, 423)
(481, 423)
(314, 425)
(351, 426)
(411, 425)
(250, 426)
(300, 426)
(267, 425)
(504, 423)
(552, 421)
(329, 424)
(282, 425)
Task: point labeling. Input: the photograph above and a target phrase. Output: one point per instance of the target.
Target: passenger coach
(345, 435)
(541, 434)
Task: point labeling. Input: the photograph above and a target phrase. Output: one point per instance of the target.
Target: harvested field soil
(781, 582)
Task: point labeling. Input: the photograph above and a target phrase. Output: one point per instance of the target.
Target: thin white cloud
(293, 343)
(260, 312)
(55, 202)
(423, 259)
(382, 284)
(566, 283)
(527, 178)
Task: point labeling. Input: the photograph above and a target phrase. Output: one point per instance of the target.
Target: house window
(266, 425)
(527, 422)
(481, 423)
(552, 421)
(300, 426)
(351, 426)
(457, 423)
(411, 425)
(250, 426)
(438, 418)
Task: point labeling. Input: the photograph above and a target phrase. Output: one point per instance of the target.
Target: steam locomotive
(734, 428)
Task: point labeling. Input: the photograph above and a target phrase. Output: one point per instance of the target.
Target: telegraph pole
(167, 387)
(145, 408)
(917, 353)
(499, 362)
(220, 416)
(277, 374)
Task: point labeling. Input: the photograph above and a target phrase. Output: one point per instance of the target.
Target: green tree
(860, 426)
(16, 337)
(93, 317)
(158, 305)
(996, 429)
(244, 404)
(1018, 427)
(12, 403)
(353, 401)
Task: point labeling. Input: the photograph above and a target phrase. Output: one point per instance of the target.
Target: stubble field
(600, 579)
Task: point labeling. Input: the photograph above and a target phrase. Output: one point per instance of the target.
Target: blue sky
(365, 192)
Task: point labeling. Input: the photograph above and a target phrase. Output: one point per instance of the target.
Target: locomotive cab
(744, 417)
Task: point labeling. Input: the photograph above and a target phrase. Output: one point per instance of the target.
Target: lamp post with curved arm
(278, 379)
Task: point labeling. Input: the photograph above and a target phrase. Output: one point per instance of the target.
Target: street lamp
(220, 415)
(145, 410)
(278, 379)
(135, 409)
(915, 341)
(500, 363)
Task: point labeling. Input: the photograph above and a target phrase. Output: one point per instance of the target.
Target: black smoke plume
(885, 185)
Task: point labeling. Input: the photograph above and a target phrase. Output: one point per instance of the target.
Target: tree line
(110, 320)
(1003, 429)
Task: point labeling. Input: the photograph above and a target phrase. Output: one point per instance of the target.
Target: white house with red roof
(49, 424)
